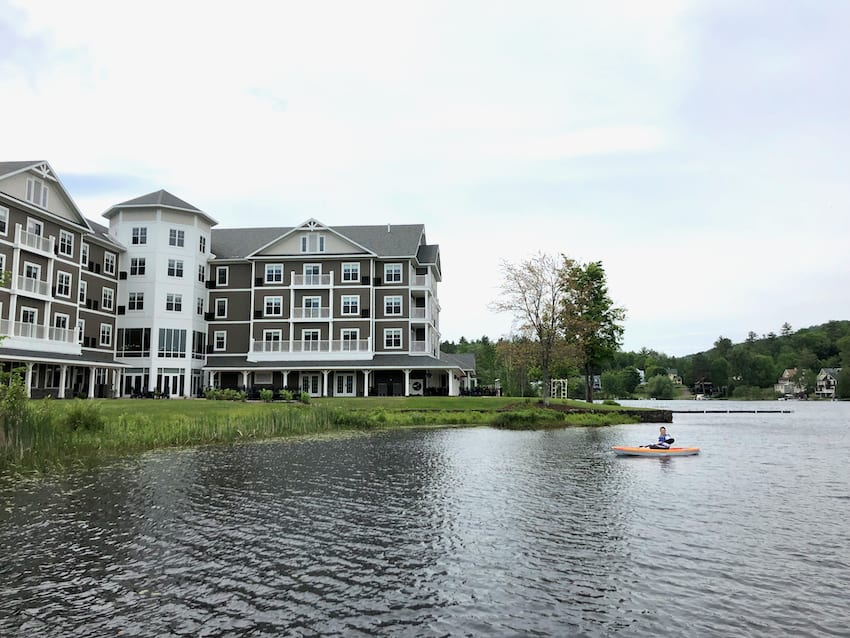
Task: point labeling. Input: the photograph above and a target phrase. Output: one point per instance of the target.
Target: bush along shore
(47, 434)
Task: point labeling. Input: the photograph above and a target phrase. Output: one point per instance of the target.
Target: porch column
(29, 380)
(325, 374)
(366, 374)
(285, 378)
(452, 391)
(187, 380)
(212, 378)
(407, 382)
(245, 379)
(91, 382)
(63, 374)
(117, 382)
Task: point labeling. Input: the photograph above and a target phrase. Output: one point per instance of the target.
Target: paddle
(668, 441)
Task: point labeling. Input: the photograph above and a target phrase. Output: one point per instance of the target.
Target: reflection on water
(445, 532)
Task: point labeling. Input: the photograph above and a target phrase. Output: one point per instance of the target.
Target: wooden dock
(732, 411)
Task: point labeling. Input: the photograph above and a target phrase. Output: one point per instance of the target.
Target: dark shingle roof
(159, 198)
(14, 167)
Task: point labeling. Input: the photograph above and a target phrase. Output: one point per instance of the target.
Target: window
(312, 275)
(202, 244)
(174, 302)
(137, 266)
(107, 299)
(392, 273)
(3, 269)
(66, 243)
(4, 220)
(221, 275)
(60, 321)
(274, 306)
(351, 305)
(81, 329)
(392, 337)
(199, 344)
(136, 301)
(175, 267)
(202, 273)
(63, 284)
(220, 340)
(109, 263)
(221, 308)
(199, 306)
(106, 334)
(310, 340)
(312, 307)
(274, 273)
(140, 236)
(351, 272)
(313, 243)
(29, 315)
(84, 288)
(272, 335)
(135, 342)
(37, 192)
(176, 237)
(172, 342)
(392, 305)
(84, 254)
(349, 338)
(35, 227)
(344, 384)
(32, 271)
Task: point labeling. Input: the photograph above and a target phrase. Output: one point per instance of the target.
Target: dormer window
(312, 243)
(37, 192)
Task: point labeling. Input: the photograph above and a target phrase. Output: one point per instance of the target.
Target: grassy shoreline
(62, 434)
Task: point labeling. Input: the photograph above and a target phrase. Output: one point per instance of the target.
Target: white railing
(417, 313)
(418, 346)
(37, 331)
(33, 241)
(32, 285)
(311, 313)
(312, 280)
(336, 345)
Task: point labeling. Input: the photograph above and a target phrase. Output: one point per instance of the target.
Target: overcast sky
(700, 150)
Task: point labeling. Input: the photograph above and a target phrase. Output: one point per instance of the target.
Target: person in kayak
(664, 440)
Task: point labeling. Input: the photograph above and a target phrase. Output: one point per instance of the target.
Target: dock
(732, 411)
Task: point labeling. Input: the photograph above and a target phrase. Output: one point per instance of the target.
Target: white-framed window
(140, 236)
(107, 299)
(202, 244)
(4, 220)
(84, 289)
(137, 266)
(312, 274)
(66, 243)
(37, 192)
(220, 340)
(264, 377)
(351, 272)
(3, 269)
(35, 227)
(136, 301)
(173, 302)
(84, 254)
(350, 305)
(392, 305)
(273, 306)
(222, 274)
(344, 384)
(312, 243)
(312, 307)
(175, 267)
(32, 271)
(29, 315)
(63, 284)
(274, 273)
(106, 334)
(310, 340)
(172, 342)
(109, 263)
(392, 273)
(81, 329)
(392, 338)
(176, 237)
(349, 338)
(272, 335)
(202, 273)
(221, 308)
(60, 321)
(199, 306)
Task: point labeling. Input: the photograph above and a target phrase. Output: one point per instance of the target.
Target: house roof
(158, 199)
(7, 168)
(391, 240)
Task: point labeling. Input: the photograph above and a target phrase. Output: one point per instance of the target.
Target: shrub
(83, 415)
(224, 394)
(266, 395)
(609, 402)
(286, 395)
(304, 398)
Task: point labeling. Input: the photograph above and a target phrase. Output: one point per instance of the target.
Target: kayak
(622, 450)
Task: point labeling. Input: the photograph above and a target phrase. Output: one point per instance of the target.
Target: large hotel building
(161, 302)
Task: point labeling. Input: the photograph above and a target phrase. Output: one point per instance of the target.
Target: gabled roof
(101, 232)
(158, 199)
(310, 225)
(390, 240)
(45, 170)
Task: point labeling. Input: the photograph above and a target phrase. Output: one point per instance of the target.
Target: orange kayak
(621, 450)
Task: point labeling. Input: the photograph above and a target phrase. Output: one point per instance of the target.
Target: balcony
(33, 336)
(311, 313)
(423, 282)
(33, 242)
(418, 313)
(311, 350)
(307, 281)
(32, 286)
(419, 346)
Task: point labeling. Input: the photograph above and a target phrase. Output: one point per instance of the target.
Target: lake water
(448, 532)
